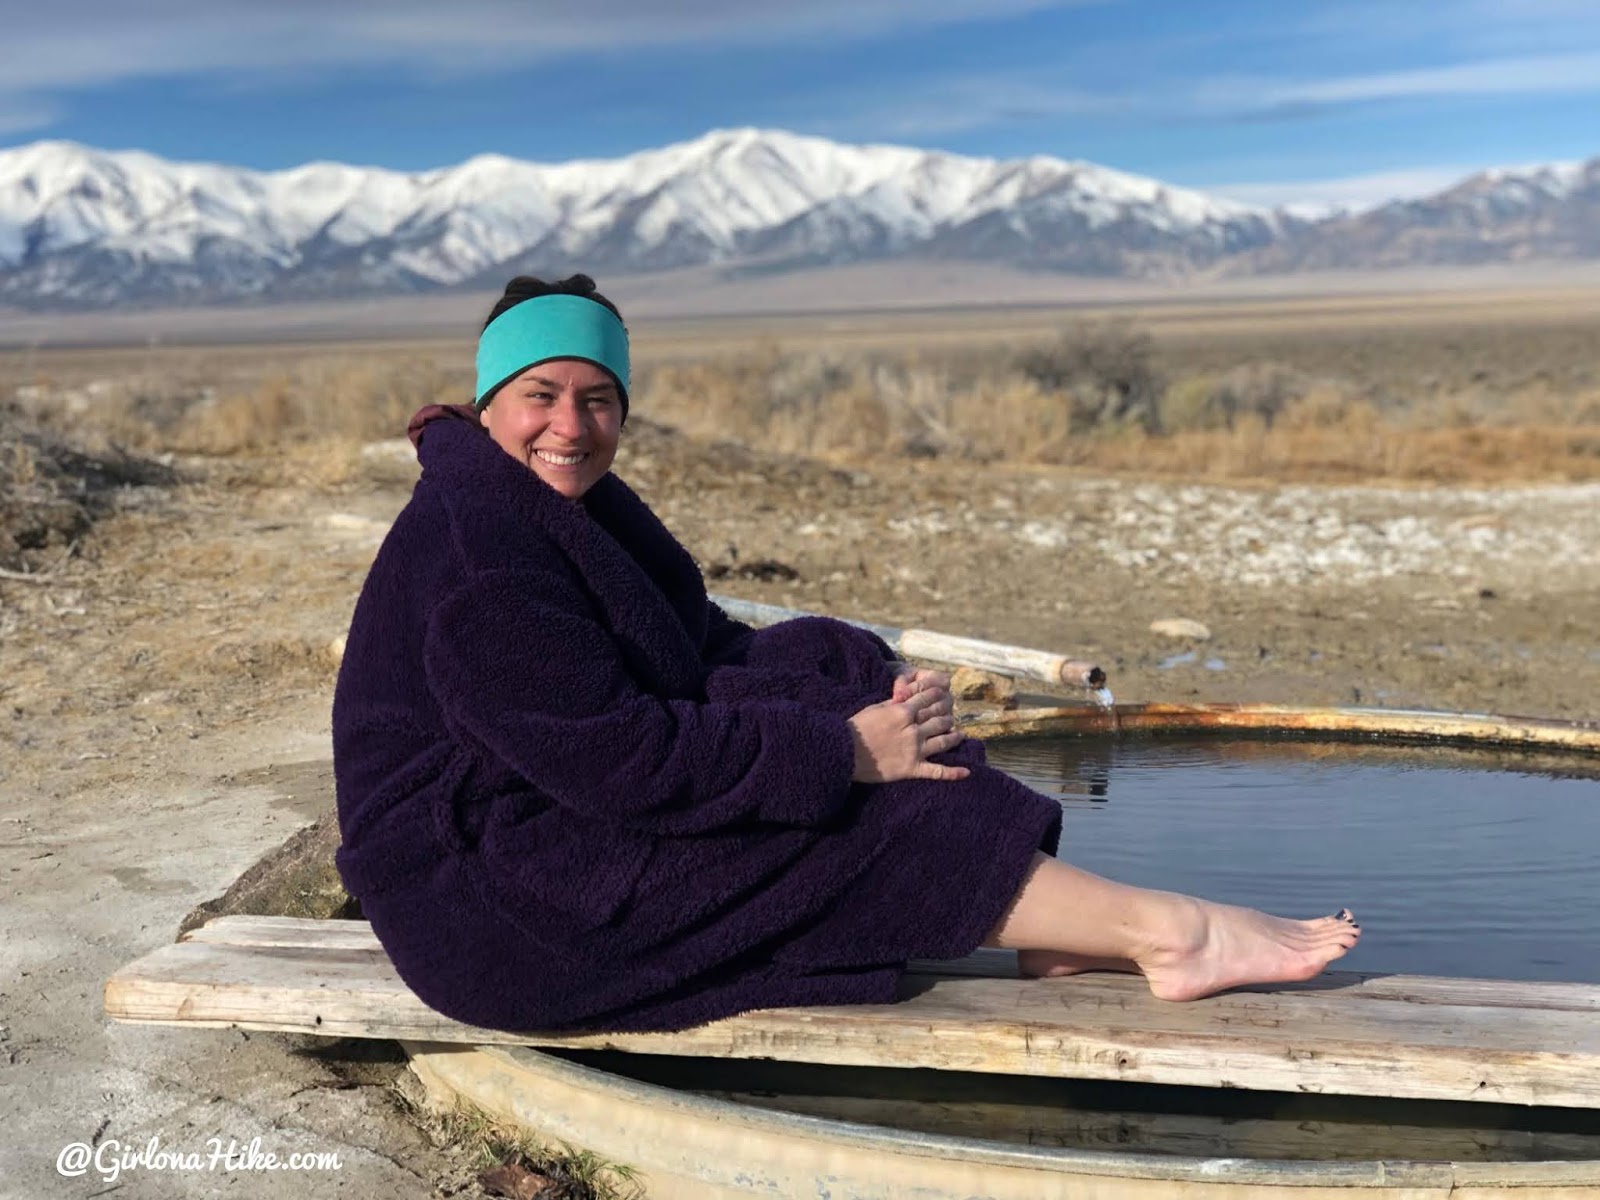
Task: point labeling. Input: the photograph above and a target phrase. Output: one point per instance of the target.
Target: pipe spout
(1074, 673)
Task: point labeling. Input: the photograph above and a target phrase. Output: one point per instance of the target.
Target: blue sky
(1265, 100)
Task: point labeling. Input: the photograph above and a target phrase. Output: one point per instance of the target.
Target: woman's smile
(555, 459)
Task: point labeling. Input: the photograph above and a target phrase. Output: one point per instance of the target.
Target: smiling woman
(561, 413)
(574, 794)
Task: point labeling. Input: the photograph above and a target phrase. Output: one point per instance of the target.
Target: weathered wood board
(1402, 1036)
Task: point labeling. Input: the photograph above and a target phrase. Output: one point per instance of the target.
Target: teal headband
(556, 325)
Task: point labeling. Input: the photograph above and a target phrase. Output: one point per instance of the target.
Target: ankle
(1171, 926)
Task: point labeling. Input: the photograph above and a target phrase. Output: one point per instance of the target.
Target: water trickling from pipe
(1108, 704)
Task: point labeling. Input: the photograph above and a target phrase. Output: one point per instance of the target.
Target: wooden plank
(358, 935)
(1002, 964)
(1101, 1027)
(285, 931)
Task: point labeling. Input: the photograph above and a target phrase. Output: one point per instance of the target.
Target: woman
(575, 795)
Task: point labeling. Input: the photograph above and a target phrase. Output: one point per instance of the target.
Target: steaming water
(1453, 864)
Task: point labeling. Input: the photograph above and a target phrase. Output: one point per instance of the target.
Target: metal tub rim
(518, 1084)
(1420, 726)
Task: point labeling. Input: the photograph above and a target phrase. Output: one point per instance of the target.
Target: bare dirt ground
(164, 702)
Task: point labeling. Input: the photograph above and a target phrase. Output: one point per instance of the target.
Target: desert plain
(1380, 498)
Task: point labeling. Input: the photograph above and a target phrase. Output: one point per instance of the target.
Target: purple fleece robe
(575, 795)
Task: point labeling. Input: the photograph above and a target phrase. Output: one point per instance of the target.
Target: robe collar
(645, 585)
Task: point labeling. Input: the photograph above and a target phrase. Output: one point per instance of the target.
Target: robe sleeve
(819, 662)
(516, 663)
(726, 639)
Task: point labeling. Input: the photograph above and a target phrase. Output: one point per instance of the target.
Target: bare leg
(1051, 964)
(1186, 948)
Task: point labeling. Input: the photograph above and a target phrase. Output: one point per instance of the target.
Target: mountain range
(85, 228)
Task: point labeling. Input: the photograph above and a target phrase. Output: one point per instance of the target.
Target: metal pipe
(1043, 665)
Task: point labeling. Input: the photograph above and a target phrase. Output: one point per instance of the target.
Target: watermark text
(111, 1159)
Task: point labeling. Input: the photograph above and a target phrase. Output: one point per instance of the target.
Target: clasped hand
(894, 738)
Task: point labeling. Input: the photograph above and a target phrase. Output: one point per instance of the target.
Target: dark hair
(526, 287)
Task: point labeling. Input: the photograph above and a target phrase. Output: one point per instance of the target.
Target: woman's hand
(910, 679)
(895, 737)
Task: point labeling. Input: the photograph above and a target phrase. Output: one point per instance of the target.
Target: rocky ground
(166, 668)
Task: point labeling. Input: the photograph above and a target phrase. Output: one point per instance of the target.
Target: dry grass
(1256, 400)
(205, 408)
(1109, 397)
(553, 1169)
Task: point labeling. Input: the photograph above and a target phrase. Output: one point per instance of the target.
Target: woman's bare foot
(1212, 947)
(1065, 920)
(1052, 964)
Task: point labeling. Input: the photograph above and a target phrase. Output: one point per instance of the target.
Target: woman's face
(556, 412)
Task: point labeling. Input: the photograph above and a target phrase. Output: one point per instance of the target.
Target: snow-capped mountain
(89, 228)
(1549, 212)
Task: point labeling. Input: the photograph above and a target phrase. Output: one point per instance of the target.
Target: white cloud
(88, 42)
(955, 104)
(1458, 31)
(937, 105)
(1540, 73)
(48, 51)
(23, 114)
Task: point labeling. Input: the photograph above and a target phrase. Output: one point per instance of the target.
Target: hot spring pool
(1456, 862)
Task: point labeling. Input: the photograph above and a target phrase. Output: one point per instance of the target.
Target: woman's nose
(567, 419)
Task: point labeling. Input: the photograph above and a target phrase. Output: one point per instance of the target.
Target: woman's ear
(483, 415)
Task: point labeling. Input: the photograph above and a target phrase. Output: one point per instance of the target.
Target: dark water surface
(1466, 863)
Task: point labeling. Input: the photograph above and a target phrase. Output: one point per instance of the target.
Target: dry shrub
(918, 405)
(1084, 401)
(52, 490)
(1099, 395)
(355, 397)
(325, 462)
(862, 407)
(1106, 372)
(1324, 406)
(725, 398)
(1259, 391)
(1015, 420)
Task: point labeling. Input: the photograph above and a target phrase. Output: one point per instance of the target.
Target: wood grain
(1402, 1036)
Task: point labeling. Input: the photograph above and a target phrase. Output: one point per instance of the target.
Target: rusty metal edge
(1267, 720)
